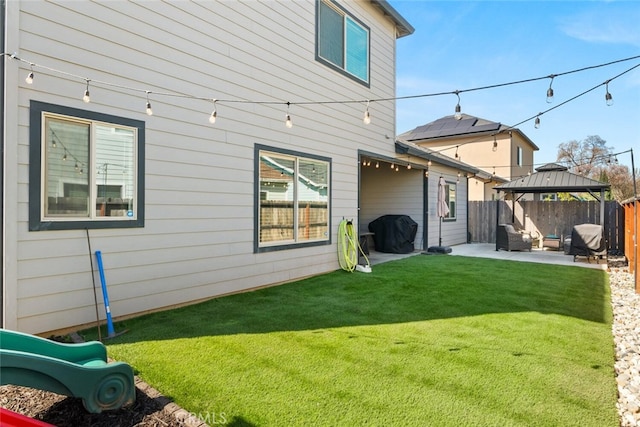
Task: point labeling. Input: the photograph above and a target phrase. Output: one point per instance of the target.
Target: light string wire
(514, 127)
(147, 92)
(344, 101)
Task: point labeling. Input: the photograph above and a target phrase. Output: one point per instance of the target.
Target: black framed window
(86, 169)
(342, 41)
(450, 195)
(292, 199)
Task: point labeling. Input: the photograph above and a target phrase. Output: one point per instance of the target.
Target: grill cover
(394, 233)
(587, 240)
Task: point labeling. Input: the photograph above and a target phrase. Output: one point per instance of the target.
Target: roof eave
(403, 27)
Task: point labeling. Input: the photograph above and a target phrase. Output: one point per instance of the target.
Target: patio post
(497, 218)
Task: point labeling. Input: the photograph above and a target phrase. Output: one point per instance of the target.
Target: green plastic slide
(78, 370)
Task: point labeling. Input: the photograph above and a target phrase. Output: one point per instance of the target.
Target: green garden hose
(348, 246)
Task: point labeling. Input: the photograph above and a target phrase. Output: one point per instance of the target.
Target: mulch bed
(149, 410)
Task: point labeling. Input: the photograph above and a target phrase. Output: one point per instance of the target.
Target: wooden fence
(546, 218)
(276, 220)
(631, 230)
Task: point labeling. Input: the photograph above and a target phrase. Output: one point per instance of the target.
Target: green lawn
(428, 340)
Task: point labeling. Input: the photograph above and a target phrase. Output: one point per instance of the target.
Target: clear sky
(459, 45)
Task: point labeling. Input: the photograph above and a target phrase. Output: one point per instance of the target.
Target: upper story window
(519, 156)
(292, 199)
(86, 169)
(342, 42)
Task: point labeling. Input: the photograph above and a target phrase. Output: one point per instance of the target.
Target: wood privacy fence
(545, 218)
(276, 220)
(631, 229)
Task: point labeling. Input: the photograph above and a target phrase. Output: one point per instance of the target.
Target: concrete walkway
(488, 250)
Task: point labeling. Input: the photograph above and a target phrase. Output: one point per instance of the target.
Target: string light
(149, 110)
(550, 90)
(456, 152)
(287, 120)
(367, 116)
(607, 96)
(537, 122)
(458, 113)
(86, 98)
(426, 173)
(214, 113)
(377, 165)
(29, 78)
(495, 144)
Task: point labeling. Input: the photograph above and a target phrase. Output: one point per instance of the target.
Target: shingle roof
(450, 127)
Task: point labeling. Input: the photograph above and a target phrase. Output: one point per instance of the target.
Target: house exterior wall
(198, 237)
(477, 150)
(387, 192)
(454, 231)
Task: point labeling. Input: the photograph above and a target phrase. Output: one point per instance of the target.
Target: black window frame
(36, 122)
(257, 198)
(342, 70)
(452, 215)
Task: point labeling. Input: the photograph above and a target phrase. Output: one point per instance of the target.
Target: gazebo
(553, 178)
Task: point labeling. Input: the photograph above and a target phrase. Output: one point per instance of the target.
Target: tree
(592, 158)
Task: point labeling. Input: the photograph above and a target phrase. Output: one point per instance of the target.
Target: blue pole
(110, 330)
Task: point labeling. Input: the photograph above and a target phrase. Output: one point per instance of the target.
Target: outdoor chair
(510, 239)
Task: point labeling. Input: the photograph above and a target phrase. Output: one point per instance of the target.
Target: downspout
(3, 7)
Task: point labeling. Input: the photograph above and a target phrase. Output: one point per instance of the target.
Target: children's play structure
(78, 370)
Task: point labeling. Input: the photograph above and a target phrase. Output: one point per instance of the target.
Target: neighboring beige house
(500, 152)
(183, 209)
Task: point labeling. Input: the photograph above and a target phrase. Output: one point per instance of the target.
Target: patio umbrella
(443, 207)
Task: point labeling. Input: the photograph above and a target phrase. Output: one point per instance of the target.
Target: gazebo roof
(552, 178)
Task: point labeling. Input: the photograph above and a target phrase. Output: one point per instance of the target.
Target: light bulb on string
(30, 76)
(537, 122)
(149, 110)
(550, 90)
(429, 163)
(408, 162)
(377, 165)
(86, 98)
(426, 173)
(458, 110)
(214, 113)
(54, 144)
(393, 166)
(367, 116)
(495, 144)
(456, 155)
(607, 96)
(287, 118)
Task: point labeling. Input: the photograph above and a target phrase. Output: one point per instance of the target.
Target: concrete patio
(488, 250)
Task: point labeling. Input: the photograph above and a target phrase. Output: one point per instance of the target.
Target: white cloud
(612, 23)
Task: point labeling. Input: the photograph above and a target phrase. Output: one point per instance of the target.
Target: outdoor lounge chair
(509, 239)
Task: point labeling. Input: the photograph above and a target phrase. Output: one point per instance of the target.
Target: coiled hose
(348, 246)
